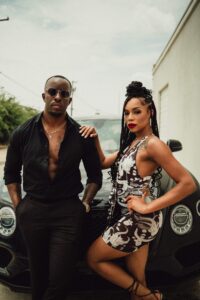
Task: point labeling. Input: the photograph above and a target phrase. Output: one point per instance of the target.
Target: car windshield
(109, 135)
(108, 131)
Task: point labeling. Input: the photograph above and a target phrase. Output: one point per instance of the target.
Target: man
(49, 147)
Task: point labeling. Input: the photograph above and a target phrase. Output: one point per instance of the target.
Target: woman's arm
(160, 153)
(106, 161)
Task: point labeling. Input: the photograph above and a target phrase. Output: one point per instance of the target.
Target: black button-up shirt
(29, 148)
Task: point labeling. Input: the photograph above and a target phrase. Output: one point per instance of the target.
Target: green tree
(12, 114)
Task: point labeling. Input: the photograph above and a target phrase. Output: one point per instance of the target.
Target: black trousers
(52, 233)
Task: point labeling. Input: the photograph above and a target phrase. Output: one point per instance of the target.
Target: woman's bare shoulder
(156, 146)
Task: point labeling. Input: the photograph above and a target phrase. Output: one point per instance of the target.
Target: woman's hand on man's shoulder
(88, 131)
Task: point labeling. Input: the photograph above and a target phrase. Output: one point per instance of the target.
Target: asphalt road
(187, 288)
(184, 289)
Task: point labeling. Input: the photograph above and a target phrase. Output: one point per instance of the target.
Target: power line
(82, 102)
(19, 84)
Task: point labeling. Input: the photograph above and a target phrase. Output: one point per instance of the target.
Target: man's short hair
(59, 76)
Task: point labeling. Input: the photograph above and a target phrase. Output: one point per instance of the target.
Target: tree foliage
(12, 114)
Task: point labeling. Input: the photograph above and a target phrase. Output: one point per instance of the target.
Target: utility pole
(4, 19)
(1, 20)
(73, 90)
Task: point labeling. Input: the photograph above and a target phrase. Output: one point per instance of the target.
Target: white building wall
(178, 70)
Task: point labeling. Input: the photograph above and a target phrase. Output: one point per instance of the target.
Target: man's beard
(56, 114)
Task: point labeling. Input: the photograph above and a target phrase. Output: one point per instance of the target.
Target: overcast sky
(100, 45)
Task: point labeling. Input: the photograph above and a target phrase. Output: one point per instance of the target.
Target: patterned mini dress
(130, 230)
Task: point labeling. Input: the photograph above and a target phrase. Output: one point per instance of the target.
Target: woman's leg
(99, 256)
(136, 263)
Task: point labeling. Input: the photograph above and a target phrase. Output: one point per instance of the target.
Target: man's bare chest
(54, 145)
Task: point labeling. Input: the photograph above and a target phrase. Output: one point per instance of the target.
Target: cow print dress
(131, 230)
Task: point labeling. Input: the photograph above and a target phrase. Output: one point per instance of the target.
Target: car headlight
(181, 219)
(7, 221)
(198, 207)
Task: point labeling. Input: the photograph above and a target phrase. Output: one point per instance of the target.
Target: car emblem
(7, 221)
(181, 219)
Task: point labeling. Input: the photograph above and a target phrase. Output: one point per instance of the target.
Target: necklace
(137, 140)
(51, 133)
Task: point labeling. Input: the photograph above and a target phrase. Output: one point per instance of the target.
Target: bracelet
(87, 206)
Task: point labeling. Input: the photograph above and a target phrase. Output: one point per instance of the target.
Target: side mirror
(174, 145)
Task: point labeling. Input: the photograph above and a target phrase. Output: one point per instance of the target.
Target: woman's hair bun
(136, 84)
(136, 89)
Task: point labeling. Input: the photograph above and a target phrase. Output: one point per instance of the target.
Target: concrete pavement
(7, 294)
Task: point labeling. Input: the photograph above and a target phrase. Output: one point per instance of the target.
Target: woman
(135, 216)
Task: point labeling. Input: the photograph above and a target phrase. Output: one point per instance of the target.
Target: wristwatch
(87, 207)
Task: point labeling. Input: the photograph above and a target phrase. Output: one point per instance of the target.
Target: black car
(175, 252)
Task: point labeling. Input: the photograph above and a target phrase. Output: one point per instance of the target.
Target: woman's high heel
(134, 287)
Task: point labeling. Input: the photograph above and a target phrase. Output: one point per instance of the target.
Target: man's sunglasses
(53, 92)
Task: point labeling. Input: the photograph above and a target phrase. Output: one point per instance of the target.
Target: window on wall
(164, 114)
